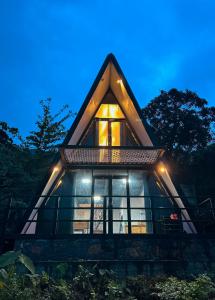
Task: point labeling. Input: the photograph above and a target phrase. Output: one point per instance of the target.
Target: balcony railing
(104, 155)
(94, 218)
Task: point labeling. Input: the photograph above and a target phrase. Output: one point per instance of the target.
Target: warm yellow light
(115, 133)
(110, 111)
(59, 183)
(103, 133)
(162, 169)
(55, 169)
(119, 81)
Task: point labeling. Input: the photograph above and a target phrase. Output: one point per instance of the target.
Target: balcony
(105, 155)
(90, 216)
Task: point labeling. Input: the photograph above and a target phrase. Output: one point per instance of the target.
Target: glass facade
(95, 201)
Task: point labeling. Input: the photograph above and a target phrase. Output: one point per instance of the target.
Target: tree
(181, 121)
(50, 130)
(201, 168)
(7, 133)
(22, 172)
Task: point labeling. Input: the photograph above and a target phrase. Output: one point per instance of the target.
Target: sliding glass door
(109, 207)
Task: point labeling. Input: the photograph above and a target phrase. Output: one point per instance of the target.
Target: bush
(200, 288)
(93, 283)
(141, 287)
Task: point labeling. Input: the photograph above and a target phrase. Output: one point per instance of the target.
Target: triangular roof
(111, 77)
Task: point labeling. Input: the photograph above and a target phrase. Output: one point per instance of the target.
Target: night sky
(54, 48)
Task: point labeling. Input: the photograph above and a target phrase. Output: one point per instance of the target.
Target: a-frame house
(110, 177)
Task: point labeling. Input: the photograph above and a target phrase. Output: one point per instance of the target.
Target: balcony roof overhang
(110, 156)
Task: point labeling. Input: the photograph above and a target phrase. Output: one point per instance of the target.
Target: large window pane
(82, 183)
(140, 203)
(119, 186)
(103, 133)
(136, 183)
(115, 133)
(101, 188)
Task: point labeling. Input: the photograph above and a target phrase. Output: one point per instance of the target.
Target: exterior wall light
(55, 169)
(162, 169)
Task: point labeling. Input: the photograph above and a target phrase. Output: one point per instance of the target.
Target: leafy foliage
(50, 129)
(174, 289)
(22, 171)
(181, 120)
(12, 257)
(94, 283)
(7, 133)
(141, 287)
(9, 258)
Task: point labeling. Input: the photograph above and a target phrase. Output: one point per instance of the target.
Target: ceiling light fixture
(119, 81)
(86, 180)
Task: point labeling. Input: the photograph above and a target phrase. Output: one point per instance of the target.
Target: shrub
(175, 289)
(141, 287)
(93, 283)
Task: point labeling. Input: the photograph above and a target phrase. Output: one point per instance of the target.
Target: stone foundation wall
(134, 255)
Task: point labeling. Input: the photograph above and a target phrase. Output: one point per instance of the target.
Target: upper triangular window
(110, 111)
(109, 126)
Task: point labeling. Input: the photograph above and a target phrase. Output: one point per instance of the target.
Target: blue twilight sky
(54, 48)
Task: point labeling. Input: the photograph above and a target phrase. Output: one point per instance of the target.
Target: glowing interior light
(124, 180)
(103, 133)
(115, 133)
(110, 111)
(97, 198)
(86, 180)
(119, 81)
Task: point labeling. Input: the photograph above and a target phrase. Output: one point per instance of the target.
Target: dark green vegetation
(181, 120)
(184, 124)
(24, 162)
(18, 281)
(49, 128)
